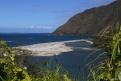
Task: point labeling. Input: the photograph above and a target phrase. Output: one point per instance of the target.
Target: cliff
(90, 22)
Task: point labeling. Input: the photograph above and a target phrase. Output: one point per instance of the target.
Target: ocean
(14, 40)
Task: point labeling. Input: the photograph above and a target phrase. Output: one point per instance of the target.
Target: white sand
(56, 48)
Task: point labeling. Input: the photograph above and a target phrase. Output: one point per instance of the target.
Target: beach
(56, 48)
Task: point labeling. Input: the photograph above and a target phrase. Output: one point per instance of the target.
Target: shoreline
(56, 48)
(73, 55)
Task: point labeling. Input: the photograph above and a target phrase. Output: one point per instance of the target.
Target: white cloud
(43, 26)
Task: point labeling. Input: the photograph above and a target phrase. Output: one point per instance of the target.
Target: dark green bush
(9, 71)
(110, 69)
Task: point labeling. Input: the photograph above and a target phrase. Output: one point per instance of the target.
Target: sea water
(18, 39)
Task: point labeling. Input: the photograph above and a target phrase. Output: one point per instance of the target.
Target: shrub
(110, 69)
(9, 71)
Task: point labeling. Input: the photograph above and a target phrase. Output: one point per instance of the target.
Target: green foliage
(52, 75)
(9, 71)
(49, 71)
(110, 69)
(116, 45)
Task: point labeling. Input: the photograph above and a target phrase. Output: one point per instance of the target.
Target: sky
(40, 16)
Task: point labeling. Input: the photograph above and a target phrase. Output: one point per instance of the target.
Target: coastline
(56, 48)
(74, 55)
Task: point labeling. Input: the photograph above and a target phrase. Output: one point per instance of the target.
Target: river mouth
(75, 61)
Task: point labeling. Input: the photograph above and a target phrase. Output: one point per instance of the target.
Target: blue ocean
(18, 39)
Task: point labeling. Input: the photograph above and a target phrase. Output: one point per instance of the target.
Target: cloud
(45, 26)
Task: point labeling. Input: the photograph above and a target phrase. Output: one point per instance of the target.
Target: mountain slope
(90, 22)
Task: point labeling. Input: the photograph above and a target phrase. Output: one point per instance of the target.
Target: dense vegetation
(110, 69)
(9, 71)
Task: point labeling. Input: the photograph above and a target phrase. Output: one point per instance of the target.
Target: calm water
(73, 61)
(28, 39)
